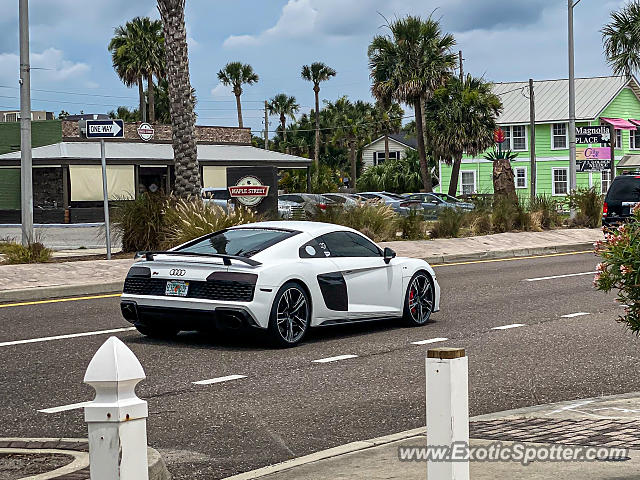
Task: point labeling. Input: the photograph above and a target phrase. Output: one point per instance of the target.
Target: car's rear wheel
(418, 302)
(157, 331)
(290, 315)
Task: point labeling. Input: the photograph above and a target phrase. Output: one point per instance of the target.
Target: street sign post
(105, 129)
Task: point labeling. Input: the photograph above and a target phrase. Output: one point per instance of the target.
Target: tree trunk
(185, 152)
(386, 147)
(424, 168)
(141, 94)
(316, 153)
(352, 160)
(239, 107)
(503, 180)
(283, 124)
(152, 99)
(455, 174)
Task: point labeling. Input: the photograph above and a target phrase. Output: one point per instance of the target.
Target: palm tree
(185, 152)
(388, 120)
(285, 107)
(237, 74)
(318, 72)
(460, 117)
(137, 52)
(621, 38)
(408, 65)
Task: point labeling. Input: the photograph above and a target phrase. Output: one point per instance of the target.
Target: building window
(605, 175)
(559, 136)
(378, 157)
(560, 184)
(515, 138)
(467, 182)
(521, 177)
(634, 139)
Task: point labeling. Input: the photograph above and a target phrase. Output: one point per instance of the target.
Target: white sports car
(282, 276)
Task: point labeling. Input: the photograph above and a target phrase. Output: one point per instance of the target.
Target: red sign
(249, 191)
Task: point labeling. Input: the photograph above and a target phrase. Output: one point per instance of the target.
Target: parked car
(434, 203)
(401, 205)
(278, 277)
(217, 196)
(346, 200)
(623, 194)
(290, 210)
(311, 203)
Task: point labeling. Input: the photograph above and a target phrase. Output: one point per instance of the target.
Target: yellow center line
(114, 295)
(57, 300)
(511, 259)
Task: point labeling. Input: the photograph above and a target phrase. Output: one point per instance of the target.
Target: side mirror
(388, 254)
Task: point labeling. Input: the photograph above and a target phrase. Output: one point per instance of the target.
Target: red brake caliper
(413, 309)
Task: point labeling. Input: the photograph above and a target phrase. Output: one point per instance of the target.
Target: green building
(615, 98)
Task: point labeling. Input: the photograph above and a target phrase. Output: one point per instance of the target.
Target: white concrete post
(447, 409)
(117, 418)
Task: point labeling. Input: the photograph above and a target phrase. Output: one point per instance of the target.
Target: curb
(58, 291)
(582, 247)
(395, 437)
(78, 448)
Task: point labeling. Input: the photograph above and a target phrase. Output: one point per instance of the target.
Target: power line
(342, 126)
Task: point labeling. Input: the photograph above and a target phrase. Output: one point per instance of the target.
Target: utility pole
(532, 138)
(26, 182)
(461, 71)
(572, 107)
(266, 126)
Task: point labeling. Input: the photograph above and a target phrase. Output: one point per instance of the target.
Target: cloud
(47, 66)
(221, 90)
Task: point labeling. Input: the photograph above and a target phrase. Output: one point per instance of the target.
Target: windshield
(243, 242)
(394, 196)
(624, 189)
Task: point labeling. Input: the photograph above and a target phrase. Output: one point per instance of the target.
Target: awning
(619, 123)
(635, 122)
(629, 161)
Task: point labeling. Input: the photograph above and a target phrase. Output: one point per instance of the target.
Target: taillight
(322, 206)
(605, 209)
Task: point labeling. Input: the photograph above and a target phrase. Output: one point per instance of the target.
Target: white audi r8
(280, 276)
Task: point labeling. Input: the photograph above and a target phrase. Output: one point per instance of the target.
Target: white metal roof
(552, 98)
(155, 151)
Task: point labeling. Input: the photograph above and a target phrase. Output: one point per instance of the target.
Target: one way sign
(105, 128)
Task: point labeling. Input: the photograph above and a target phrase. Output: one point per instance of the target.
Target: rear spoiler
(226, 259)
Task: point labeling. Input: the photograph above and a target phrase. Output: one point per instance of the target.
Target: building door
(152, 180)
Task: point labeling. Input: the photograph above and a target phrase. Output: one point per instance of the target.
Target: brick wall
(204, 134)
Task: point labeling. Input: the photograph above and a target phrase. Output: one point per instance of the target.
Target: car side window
(313, 249)
(348, 244)
(292, 198)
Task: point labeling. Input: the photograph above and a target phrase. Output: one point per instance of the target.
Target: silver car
(401, 205)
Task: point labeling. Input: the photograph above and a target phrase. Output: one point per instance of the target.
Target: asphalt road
(289, 406)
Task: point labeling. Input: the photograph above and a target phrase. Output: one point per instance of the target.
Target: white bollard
(447, 409)
(117, 418)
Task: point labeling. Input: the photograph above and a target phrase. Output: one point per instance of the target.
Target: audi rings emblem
(177, 272)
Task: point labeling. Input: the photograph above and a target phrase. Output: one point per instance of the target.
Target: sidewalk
(601, 422)
(90, 277)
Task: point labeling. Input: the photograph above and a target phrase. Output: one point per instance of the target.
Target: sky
(501, 41)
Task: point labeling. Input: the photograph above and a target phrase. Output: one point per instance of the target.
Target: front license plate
(176, 288)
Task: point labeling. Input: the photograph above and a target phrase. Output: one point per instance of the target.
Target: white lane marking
(431, 340)
(62, 337)
(578, 314)
(334, 359)
(64, 408)
(558, 276)
(219, 379)
(505, 327)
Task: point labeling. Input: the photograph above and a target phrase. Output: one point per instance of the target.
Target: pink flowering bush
(620, 268)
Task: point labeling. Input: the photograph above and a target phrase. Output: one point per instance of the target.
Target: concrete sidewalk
(611, 422)
(89, 277)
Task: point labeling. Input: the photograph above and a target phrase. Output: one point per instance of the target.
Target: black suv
(623, 194)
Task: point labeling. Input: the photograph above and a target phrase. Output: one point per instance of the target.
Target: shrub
(186, 220)
(412, 226)
(378, 221)
(508, 214)
(588, 202)
(448, 224)
(398, 176)
(140, 222)
(479, 223)
(544, 212)
(34, 252)
(620, 269)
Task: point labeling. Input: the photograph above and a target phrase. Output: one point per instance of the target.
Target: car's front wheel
(290, 315)
(418, 302)
(157, 331)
